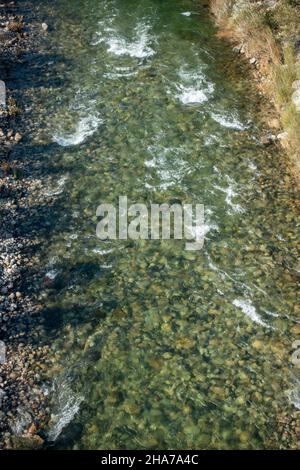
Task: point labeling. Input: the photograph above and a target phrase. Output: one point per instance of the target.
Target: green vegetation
(270, 32)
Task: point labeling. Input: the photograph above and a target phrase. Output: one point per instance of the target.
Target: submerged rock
(27, 442)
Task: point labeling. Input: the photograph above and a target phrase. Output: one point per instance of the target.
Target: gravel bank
(23, 397)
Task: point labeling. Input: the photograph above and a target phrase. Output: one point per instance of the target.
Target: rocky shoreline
(277, 131)
(23, 401)
(267, 34)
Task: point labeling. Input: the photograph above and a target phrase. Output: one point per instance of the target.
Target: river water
(154, 346)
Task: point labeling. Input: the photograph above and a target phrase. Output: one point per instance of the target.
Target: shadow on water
(33, 70)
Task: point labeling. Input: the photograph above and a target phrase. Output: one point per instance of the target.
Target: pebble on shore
(23, 403)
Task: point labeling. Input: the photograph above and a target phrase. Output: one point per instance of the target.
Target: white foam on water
(85, 127)
(192, 96)
(230, 194)
(202, 231)
(168, 163)
(52, 274)
(101, 251)
(139, 47)
(212, 266)
(186, 13)
(193, 87)
(272, 314)
(67, 406)
(73, 236)
(230, 122)
(210, 140)
(105, 26)
(229, 191)
(248, 309)
(120, 72)
(101, 35)
(59, 188)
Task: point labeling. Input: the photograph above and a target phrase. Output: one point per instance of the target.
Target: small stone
(217, 391)
(44, 27)
(266, 140)
(282, 136)
(257, 344)
(296, 329)
(184, 343)
(240, 400)
(253, 61)
(296, 84)
(32, 429)
(214, 311)
(18, 137)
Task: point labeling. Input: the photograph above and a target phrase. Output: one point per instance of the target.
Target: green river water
(154, 346)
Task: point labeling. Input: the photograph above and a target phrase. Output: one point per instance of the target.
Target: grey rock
(2, 94)
(296, 99)
(296, 84)
(282, 136)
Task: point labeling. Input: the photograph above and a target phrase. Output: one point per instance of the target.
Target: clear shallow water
(154, 346)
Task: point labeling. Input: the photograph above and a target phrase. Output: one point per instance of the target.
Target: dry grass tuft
(253, 29)
(221, 9)
(284, 75)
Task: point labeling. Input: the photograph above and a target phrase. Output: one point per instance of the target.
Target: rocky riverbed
(149, 346)
(23, 401)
